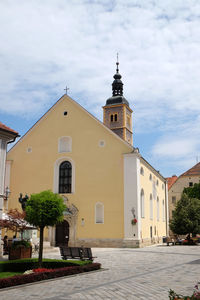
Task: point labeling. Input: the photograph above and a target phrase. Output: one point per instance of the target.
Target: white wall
(131, 195)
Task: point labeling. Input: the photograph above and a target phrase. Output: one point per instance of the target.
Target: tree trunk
(41, 247)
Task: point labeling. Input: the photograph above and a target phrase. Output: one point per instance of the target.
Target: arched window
(150, 177)
(142, 203)
(65, 144)
(141, 171)
(158, 209)
(151, 207)
(99, 213)
(65, 177)
(163, 210)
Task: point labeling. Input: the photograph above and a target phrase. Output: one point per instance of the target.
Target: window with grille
(65, 177)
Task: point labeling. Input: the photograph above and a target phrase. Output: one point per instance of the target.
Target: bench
(76, 253)
(170, 241)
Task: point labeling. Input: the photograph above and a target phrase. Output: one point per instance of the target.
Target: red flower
(40, 270)
(134, 221)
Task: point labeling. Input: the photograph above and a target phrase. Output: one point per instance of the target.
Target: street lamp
(7, 193)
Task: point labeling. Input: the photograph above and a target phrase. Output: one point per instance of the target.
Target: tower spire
(117, 63)
(117, 85)
(117, 113)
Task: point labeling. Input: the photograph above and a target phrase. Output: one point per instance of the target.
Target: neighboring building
(7, 135)
(177, 184)
(104, 180)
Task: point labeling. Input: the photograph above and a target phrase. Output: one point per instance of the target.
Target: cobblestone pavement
(146, 273)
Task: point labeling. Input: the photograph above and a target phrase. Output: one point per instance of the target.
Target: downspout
(166, 208)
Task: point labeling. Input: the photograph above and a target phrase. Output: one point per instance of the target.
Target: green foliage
(9, 274)
(22, 243)
(186, 216)
(22, 265)
(193, 192)
(45, 209)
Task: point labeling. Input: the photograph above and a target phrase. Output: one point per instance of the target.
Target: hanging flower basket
(134, 221)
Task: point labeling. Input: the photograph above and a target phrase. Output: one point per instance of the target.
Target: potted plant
(134, 221)
(20, 249)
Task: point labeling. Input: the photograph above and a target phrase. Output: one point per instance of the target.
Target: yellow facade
(152, 184)
(96, 155)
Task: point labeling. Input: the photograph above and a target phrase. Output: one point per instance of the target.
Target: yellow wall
(98, 170)
(147, 186)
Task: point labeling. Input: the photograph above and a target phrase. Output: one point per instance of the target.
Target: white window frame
(163, 209)
(56, 173)
(102, 207)
(142, 171)
(142, 203)
(151, 207)
(158, 209)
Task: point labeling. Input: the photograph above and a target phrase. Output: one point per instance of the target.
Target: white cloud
(175, 148)
(48, 44)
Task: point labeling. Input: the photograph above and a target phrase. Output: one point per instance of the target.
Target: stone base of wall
(116, 243)
(99, 243)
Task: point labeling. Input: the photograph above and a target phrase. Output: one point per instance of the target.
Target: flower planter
(19, 253)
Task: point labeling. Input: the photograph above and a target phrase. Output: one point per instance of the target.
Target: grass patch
(9, 274)
(21, 265)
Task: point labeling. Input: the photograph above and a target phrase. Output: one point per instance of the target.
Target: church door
(62, 233)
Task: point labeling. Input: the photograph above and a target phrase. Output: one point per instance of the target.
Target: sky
(46, 45)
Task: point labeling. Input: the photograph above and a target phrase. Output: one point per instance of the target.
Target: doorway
(62, 233)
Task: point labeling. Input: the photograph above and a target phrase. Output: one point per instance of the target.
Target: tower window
(113, 118)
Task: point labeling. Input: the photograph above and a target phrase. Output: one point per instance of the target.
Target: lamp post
(7, 193)
(6, 196)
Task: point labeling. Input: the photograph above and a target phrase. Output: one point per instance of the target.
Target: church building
(114, 197)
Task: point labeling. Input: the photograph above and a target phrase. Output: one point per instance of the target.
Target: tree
(186, 216)
(44, 209)
(193, 192)
(14, 221)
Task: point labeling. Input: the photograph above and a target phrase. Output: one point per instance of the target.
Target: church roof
(7, 129)
(194, 171)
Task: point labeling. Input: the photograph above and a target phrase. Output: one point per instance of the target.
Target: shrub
(22, 243)
(22, 279)
(21, 265)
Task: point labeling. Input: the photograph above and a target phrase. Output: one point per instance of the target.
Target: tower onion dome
(117, 90)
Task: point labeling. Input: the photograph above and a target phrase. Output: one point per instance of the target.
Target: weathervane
(66, 89)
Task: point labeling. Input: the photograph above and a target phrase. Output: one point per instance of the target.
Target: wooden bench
(170, 241)
(76, 253)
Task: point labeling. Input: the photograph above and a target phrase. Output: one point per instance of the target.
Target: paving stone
(146, 273)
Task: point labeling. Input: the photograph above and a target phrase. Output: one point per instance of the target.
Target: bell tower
(117, 114)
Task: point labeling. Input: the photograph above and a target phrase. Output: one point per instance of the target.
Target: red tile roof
(8, 129)
(171, 181)
(194, 171)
